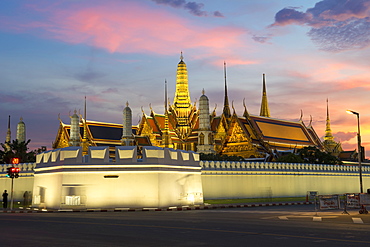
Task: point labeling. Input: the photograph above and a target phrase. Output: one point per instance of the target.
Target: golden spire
(265, 111)
(85, 143)
(165, 136)
(181, 104)
(328, 134)
(226, 110)
(182, 97)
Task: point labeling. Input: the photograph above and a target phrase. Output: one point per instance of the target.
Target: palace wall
(257, 179)
(63, 178)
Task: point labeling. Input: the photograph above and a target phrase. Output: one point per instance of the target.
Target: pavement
(183, 208)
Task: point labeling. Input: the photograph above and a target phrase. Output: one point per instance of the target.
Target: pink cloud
(344, 136)
(130, 27)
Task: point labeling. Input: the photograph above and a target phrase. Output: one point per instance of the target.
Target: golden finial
(203, 92)
(232, 106)
(126, 103)
(181, 56)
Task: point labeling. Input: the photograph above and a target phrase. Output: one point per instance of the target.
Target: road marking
(317, 219)
(357, 220)
(283, 218)
(313, 238)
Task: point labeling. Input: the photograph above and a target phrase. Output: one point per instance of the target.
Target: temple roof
(282, 131)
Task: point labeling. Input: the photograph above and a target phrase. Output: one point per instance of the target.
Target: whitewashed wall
(258, 180)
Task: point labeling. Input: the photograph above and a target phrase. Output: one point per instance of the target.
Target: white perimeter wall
(129, 189)
(258, 180)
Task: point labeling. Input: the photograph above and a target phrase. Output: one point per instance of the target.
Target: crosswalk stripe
(317, 219)
(357, 220)
(283, 218)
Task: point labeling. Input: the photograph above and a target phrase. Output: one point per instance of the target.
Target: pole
(11, 195)
(359, 152)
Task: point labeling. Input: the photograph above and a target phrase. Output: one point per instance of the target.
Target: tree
(315, 156)
(310, 155)
(16, 149)
(290, 158)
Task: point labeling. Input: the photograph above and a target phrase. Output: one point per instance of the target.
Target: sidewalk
(183, 208)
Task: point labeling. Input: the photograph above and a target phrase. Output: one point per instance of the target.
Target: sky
(53, 53)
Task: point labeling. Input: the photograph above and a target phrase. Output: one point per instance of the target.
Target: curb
(184, 208)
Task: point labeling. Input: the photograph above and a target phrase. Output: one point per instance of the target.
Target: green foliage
(16, 150)
(218, 157)
(290, 158)
(310, 155)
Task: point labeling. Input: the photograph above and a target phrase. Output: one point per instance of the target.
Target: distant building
(183, 126)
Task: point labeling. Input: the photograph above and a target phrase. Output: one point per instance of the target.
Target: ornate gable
(238, 141)
(62, 137)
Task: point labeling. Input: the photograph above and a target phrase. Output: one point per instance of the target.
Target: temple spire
(328, 134)
(226, 110)
(8, 136)
(21, 131)
(85, 143)
(165, 135)
(127, 138)
(182, 105)
(265, 111)
(8, 133)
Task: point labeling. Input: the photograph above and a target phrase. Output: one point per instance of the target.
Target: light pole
(359, 146)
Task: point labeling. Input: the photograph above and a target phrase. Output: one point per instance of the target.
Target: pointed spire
(226, 110)
(127, 138)
(245, 114)
(165, 95)
(165, 135)
(85, 143)
(328, 134)
(182, 106)
(8, 133)
(21, 131)
(265, 111)
(181, 56)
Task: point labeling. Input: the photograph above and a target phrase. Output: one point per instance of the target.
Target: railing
(276, 166)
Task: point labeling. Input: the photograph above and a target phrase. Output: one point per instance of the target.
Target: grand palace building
(186, 126)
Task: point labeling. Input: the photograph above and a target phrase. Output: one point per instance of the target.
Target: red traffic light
(15, 161)
(13, 170)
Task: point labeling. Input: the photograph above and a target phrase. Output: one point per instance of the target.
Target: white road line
(317, 219)
(283, 218)
(357, 220)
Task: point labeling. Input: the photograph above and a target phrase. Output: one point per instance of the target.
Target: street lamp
(359, 145)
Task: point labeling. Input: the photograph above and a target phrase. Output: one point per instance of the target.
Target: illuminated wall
(163, 178)
(22, 186)
(258, 180)
(166, 177)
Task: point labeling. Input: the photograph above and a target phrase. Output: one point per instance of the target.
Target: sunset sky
(54, 52)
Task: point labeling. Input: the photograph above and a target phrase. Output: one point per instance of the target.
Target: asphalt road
(264, 226)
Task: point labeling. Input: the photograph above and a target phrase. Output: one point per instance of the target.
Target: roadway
(296, 225)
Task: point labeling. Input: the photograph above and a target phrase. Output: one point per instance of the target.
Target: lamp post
(359, 146)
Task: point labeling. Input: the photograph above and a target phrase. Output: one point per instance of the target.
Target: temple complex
(184, 126)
